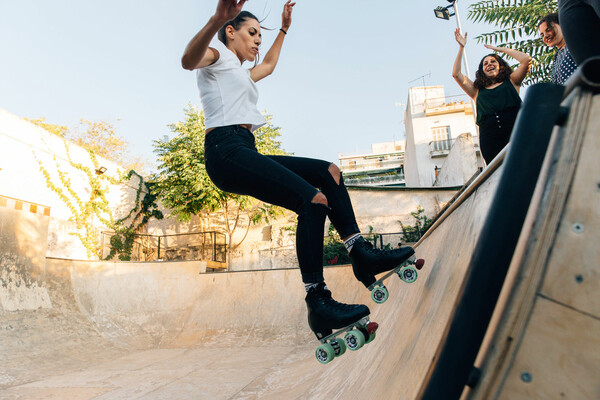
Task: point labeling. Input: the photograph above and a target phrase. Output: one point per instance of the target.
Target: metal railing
(207, 246)
(377, 180)
(439, 148)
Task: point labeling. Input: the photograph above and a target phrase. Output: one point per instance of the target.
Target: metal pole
(466, 63)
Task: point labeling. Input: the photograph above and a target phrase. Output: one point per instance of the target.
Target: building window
(441, 138)
(441, 133)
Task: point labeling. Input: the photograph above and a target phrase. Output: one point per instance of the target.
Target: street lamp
(444, 12)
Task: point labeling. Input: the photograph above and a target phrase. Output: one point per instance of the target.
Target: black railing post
(158, 248)
(214, 234)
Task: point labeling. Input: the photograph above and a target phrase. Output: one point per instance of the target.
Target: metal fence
(207, 246)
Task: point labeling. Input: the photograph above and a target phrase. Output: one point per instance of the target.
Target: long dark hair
(482, 81)
(236, 23)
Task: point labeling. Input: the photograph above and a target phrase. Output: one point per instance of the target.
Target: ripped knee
(320, 199)
(335, 173)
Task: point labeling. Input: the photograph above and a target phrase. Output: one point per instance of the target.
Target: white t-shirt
(228, 93)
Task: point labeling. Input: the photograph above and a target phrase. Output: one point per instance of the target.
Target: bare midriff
(247, 126)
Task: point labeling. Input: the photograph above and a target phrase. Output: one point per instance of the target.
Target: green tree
(184, 186)
(517, 21)
(334, 250)
(414, 233)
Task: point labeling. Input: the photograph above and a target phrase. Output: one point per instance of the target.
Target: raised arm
(519, 74)
(268, 65)
(197, 54)
(463, 81)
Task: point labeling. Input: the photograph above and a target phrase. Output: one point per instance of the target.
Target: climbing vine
(87, 214)
(121, 243)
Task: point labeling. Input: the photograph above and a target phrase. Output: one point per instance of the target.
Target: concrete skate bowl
(166, 331)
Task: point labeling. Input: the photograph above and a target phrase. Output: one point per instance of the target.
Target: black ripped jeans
(234, 165)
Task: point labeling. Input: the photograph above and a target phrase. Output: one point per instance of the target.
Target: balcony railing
(376, 181)
(441, 148)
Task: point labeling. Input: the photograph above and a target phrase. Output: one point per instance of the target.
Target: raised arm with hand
(268, 65)
(463, 81)
(519, 74)
(197, 54)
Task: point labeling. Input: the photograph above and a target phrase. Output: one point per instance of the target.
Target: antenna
(422, 77)
(424, 90)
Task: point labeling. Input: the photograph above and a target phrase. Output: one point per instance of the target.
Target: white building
(383, 166)
(433, 123)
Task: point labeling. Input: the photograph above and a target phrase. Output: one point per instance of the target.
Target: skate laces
(323, 296)
(368, 246)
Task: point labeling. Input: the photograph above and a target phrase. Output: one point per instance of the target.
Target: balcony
(387, 180)
(441, 148)
(448, 105)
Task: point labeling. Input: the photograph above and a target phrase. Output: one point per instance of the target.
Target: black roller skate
(326, 315)
(368, 262)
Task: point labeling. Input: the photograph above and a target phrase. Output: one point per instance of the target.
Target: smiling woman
(496, 92)
(563, 64)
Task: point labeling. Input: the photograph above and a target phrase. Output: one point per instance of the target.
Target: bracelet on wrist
(284, 32)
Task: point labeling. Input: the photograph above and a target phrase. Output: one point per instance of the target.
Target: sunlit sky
(340, 85)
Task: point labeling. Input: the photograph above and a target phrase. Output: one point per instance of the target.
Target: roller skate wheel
(339, 346)
(354, 339)
(408, 274)
(419, 263)
(325, 353)
(380, 294)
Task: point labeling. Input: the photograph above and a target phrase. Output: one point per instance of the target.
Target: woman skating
(312, 188)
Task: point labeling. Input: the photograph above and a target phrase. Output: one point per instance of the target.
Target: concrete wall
(22, 260)
(461, 163)
(381, 208)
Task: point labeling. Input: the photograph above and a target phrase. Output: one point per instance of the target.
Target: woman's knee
(335, 173)
(320, 198)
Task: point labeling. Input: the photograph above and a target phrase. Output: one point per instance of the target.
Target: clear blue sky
(344, 67)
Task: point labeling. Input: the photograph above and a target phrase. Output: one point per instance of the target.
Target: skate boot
(326, 314)
(368, 262)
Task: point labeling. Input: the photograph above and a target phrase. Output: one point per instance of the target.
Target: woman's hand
(228, 9)
(286, 16)
(462, 40)
(494, 48)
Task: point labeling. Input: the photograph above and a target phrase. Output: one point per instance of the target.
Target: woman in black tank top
(496, 94)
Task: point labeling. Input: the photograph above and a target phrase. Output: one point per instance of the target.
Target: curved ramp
(166, 331)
